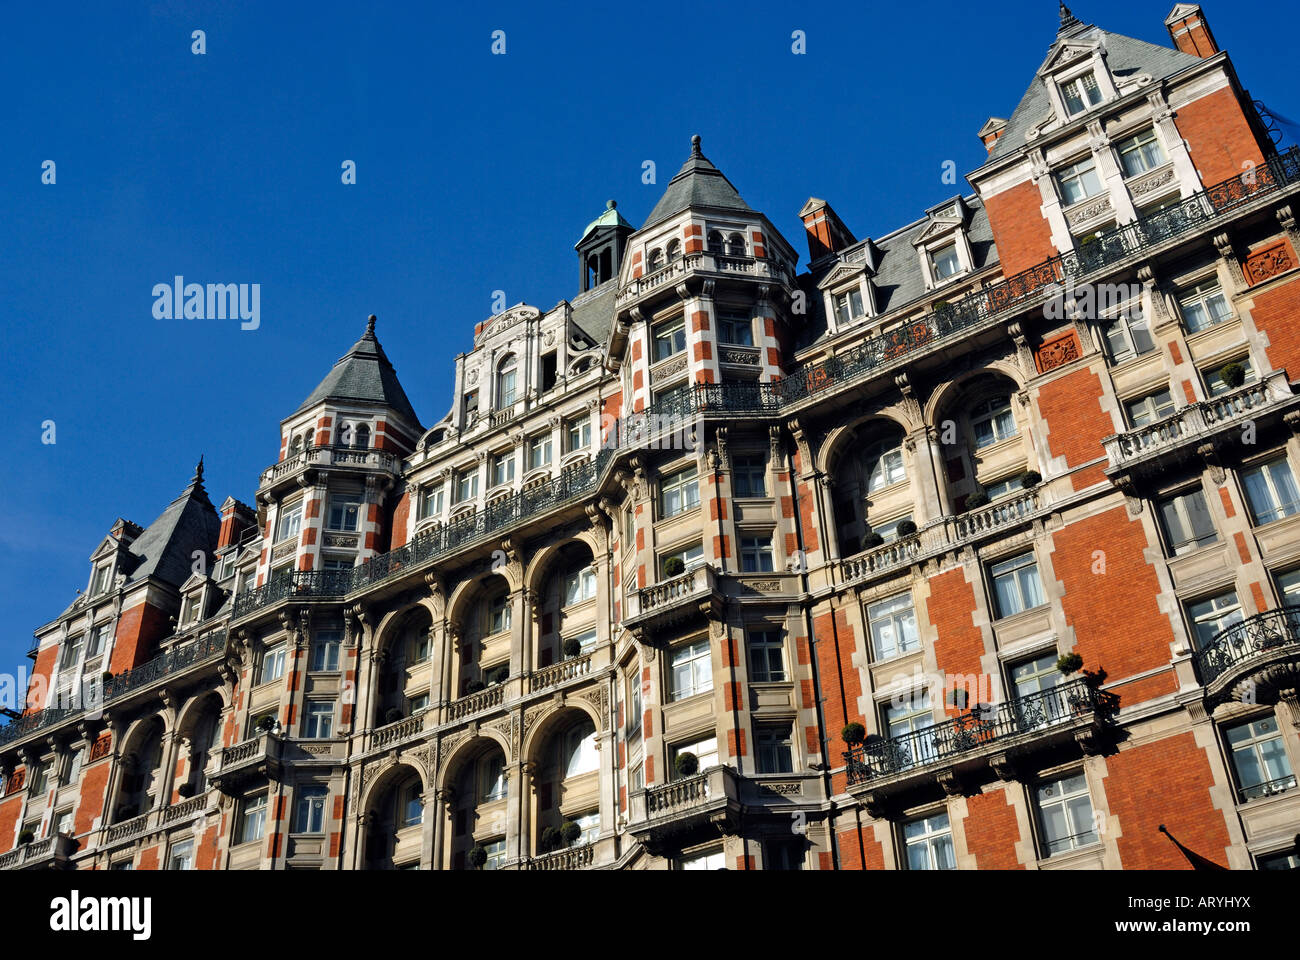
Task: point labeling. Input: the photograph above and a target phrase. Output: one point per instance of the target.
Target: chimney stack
(1191, 31)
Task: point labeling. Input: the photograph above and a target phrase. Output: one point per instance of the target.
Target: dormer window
(848, 306)
(187, 610)
(507, 372)
(101, 579)
(361, 438)
(1140, 153)
(1081, 93)
(1078, 181)
(945, 262)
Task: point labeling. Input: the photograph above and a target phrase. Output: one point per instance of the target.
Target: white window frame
(695, 660)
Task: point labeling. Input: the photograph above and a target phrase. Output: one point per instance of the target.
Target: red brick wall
(1217, 136)
(90, 803)
(960, 644)
(1274, 314)
(1103, 607)
(1023, 237)
(992, 832)
(1164, 782)
(840, 678)
(138, 632)
(9, 821)
(401, 516)
(1076, 423)
(38, 691)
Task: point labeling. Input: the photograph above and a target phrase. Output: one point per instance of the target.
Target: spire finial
(611, 204)
(695, 146)
(198, 471)
(370, 325)
(1068, 19)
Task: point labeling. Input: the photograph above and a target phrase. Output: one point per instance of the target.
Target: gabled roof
(363, 375)
(1124, 55)
(697, 184)
(166, 549)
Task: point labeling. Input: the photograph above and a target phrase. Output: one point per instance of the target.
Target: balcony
(671, 602)
(299, 585)
(1252, 660)
(668, 816)
(399, 731)
(711, 264)
(558, 673)
(487, 699)
(287, 470)
(51, 853)
(173, 661)
(989, 737)
(1151, 449)
(258, 756)
(574, 858)
(31, 723)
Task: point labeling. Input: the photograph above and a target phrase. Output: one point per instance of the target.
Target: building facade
(975, 545)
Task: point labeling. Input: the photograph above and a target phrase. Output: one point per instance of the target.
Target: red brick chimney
(1191, 31)
(827, 233)
(992, 131)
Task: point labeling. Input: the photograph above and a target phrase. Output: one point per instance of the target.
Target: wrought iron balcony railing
(173, 661)
(1270, 788)
(32, 722)
(572, 484)
(982, 726)
(1254, 636)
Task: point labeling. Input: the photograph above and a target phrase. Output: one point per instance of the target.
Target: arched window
(295, 446)
(884, 461)
(492, 776)
(674, 250)
(579, 754)
(715, 241)
(361, 437)
(735, 245)
(507, 381)
(655, 260)
(991, 421)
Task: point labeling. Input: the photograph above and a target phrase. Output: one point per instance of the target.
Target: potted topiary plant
(550, 839)
(958, 697)
(906, 528)
(1031, 479)
(872, 540)
(265, 724)
(853, 734)
(108, 675)
(569, 832)
(185, 790)
(977, 499)
(392, 715)
(1069, 663)
(674, 567)
(1232, 374)
(572, 647)
(474, 686)
(687, 764)
(26, 837)
(477, 856)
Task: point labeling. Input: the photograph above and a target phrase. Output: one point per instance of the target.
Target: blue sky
(475, 173)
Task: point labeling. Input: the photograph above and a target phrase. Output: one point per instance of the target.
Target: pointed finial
(695, 146)
(370, 325)
(1068, 19)
(198, 471)
(611, 204)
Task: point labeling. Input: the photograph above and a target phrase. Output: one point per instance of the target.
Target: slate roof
(1125, 57)
(364, 374)
(593, 311)
(899, 279)
(165, 550)
(697, 184)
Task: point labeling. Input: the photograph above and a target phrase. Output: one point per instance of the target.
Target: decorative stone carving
(1150, 182)
(1273, 260)
(1058, 351)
